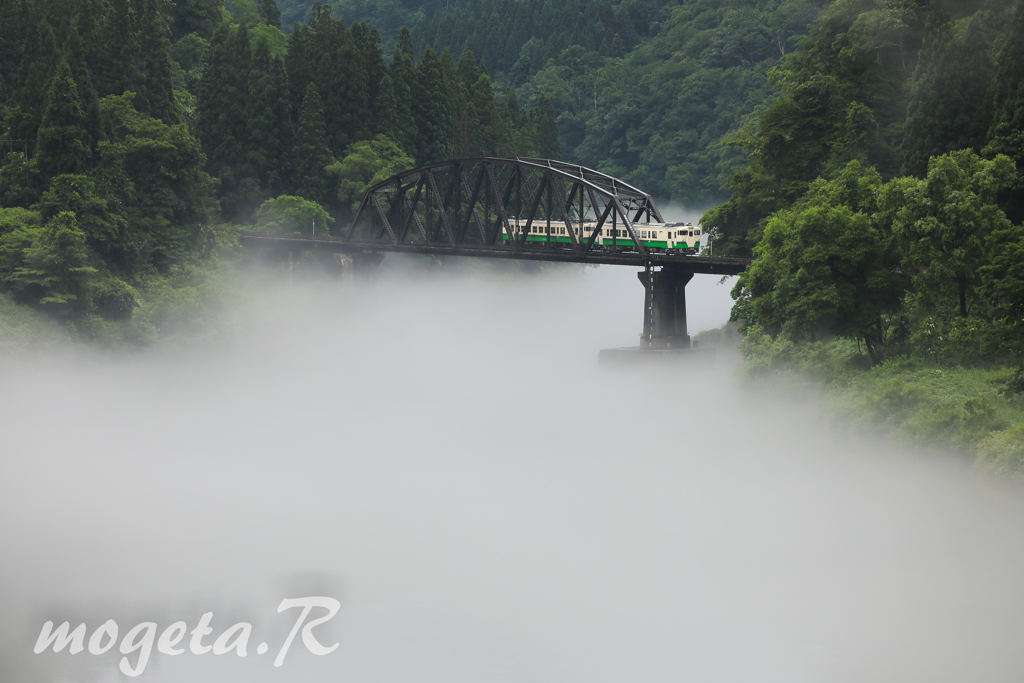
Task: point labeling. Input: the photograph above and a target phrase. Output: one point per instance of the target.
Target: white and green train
(651, 235)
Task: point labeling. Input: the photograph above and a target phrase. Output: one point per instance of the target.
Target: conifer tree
(403, 75)
(431, 110)
(299, 64)
(195, 16)
(1006, 136)
(56, 272)
(74, 53)
(221, 124)
(949, 106)
(268, 121)
(60, 147)
(120, 61)
(404, 45)
(346, 99)
(152, 85)
(546, 140)
(485, 134)
(367, 41)
(312, 156)
(13, 16)
(270, 13)
(386, 119)
(34, 76)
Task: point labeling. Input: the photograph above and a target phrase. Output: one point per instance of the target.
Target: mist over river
(438, 451)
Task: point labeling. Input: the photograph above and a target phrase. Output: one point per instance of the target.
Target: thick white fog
(439, 452)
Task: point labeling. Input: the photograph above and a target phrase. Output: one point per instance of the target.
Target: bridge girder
(494, 202)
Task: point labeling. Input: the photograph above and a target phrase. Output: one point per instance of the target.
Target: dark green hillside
(883, 200)
(136, 127)
(642, 89)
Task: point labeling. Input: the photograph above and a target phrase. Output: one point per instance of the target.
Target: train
(681, 237)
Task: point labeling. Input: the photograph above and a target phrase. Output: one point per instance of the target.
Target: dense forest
(133, 127)
(642, 89)
(881, 193)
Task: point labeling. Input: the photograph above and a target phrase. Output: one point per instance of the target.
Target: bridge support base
(639, 358)
(363, 265)
(665, 343)
(664, 309)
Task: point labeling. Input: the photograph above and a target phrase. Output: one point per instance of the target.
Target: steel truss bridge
(486, 207)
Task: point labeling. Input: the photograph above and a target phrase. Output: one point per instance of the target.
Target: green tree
(156, 173)
(201, 17)
(13, 25)
(152, 84)
(431, 110)
(56, 274)
(120, 57)
(34, 76)
(222, 121)
(1002, 284)
(825, 260)
(106, 232)
(20, 180)
(269, 122)
(942, 223)
(365, 164)
(270, 13)
(74, 53)
(289, 214)
(546, 143)
(311, 154)
(1006, 136)
(60, 146)
(949, 106)
(403, 76)
(484, 128)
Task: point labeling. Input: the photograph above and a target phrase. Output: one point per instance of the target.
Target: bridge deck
(714, 265)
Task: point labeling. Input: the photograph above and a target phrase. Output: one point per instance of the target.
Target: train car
(656, 236)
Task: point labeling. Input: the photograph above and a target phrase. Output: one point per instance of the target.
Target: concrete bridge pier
(362, 265)
(664, 308)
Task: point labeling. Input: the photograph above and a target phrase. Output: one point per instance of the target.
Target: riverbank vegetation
(136, 131)
(921, 402)
(883, 203)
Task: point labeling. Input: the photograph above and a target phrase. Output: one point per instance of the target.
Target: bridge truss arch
(493, 203)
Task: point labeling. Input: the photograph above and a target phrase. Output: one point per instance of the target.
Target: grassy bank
(965, 409)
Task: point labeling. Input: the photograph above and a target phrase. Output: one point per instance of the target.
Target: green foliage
(432, 110)
(55, 271)
(312, 156)
(942, 223)
(949, 95)
(825, 260)
(1003, 452)
(365, 164)
(20, 180)
(1006, 136)
(288, 214)
(156, 173)
(1003, 286)
(61, 147)
(106, 232)
(269, 12)
(197, 17)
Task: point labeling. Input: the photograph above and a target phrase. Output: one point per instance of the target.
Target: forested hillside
(642, 89)
(883, 201)
(882, 190)
(132, 128)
